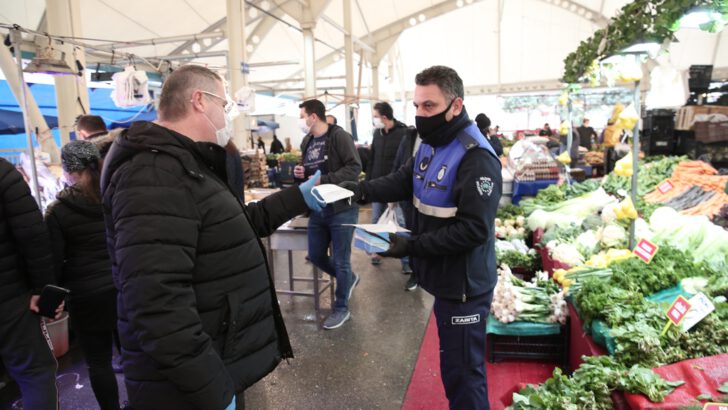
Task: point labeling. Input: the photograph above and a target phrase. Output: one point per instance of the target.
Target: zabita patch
(466, 320)
(484, 185)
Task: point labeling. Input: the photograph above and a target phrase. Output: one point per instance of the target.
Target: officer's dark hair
(90, 123)
(333, 118)
(384, 109)
(314, 107)
(445, 78)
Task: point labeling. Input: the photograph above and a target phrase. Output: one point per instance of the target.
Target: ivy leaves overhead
(639, 20)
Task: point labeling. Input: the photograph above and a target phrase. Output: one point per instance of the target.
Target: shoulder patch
(484, 185)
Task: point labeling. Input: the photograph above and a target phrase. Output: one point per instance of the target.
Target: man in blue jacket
(455, 184)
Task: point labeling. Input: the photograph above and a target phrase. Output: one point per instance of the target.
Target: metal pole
(236, 57)
(17, 37)
(349, 63)
(635, 159)
(309, 61)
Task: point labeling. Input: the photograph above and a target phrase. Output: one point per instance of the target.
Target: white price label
(701, 306)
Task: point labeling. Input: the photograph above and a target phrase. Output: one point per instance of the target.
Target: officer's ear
(457, 106)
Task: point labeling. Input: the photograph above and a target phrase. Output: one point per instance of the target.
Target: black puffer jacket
(26, 262)
(198, 314)
(78, 238)
(384, 150)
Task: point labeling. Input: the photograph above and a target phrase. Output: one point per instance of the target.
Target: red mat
(425, 390)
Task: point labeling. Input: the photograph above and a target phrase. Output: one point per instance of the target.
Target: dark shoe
(354, 282)
(376, 260)
(336, 319)
(411, 284)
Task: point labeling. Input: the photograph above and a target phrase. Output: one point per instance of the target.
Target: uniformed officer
(454, 181)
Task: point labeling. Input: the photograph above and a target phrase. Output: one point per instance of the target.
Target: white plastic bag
(389, 216)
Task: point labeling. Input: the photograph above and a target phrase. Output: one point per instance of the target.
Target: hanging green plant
(639, 20)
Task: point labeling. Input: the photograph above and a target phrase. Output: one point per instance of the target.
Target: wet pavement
(365, 364)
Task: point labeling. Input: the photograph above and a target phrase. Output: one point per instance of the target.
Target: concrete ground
(365, 364)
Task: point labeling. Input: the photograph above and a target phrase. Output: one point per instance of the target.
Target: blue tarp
(45, 95)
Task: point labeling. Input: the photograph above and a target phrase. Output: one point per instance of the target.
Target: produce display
(622, 300)
(594, 157)
(537, 301)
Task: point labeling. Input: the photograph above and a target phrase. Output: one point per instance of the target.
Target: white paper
(330, 193)
(380, 228)
(700, 307)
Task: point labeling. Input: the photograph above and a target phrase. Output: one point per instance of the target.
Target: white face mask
(224, 134)
(377, 122)
(305, 128)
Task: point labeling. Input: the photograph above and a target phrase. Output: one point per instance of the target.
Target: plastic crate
(709, 132)
(549, 346)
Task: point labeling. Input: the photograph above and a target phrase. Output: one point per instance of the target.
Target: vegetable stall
(565, 260)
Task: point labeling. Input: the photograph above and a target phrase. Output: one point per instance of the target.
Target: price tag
(665, 187)
(700, 307)
(645, 250)
(715, 406)
(678, 310)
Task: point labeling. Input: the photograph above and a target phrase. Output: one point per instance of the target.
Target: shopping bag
(389, 216)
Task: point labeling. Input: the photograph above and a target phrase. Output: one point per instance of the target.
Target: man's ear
(457, 106)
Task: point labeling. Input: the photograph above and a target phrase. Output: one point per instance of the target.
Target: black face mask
(426, 125)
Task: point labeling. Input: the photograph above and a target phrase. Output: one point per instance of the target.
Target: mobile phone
(50, 298)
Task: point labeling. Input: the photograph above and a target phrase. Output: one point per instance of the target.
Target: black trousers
(96, 347)
(26, 354)
(461, 327)
(93, 319)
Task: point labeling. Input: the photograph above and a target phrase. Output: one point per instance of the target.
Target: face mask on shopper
(305, 128)
(377, 122)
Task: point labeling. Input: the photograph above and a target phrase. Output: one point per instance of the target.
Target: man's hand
(34, 303)
(306, 187)
(397, 247)
(299, 172)
(353, 187)
(392, 206)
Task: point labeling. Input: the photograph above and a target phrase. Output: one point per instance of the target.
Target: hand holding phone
(50, 303)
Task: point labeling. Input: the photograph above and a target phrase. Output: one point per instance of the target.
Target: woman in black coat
(76, 225)
(483, 123)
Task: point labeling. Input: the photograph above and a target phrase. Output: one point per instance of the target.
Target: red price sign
(665, 187)
(715, 406)
(645, 250)
(678, 310)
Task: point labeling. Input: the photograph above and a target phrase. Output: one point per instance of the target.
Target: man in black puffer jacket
(198, 315)
(26, 265)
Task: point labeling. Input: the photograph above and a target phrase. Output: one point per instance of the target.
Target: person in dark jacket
(407, 148)
(76, 225)
(276, 147)
(330, 150)
(483, 123)
(26, 266)
(455, 182)
(198, 315)
(587, 135)
(388, 133)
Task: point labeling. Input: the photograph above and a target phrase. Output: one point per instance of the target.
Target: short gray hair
(179, 86)
(445, 78)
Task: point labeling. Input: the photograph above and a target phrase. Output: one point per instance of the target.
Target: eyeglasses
(228, 104)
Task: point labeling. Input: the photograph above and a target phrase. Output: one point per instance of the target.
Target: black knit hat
(483, 121)
(79, 155)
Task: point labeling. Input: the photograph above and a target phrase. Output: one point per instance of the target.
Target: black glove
(398, 247)
(354, 187)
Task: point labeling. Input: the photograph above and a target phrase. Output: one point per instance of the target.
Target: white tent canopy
(497, 46)
(406, 35)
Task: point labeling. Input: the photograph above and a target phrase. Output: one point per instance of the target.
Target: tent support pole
(17, 42)
(236, 57)
(349, 61)
(635, 160)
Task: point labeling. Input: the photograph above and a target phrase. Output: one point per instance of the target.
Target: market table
(581, 344)
(529, 188)
(289, 239)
